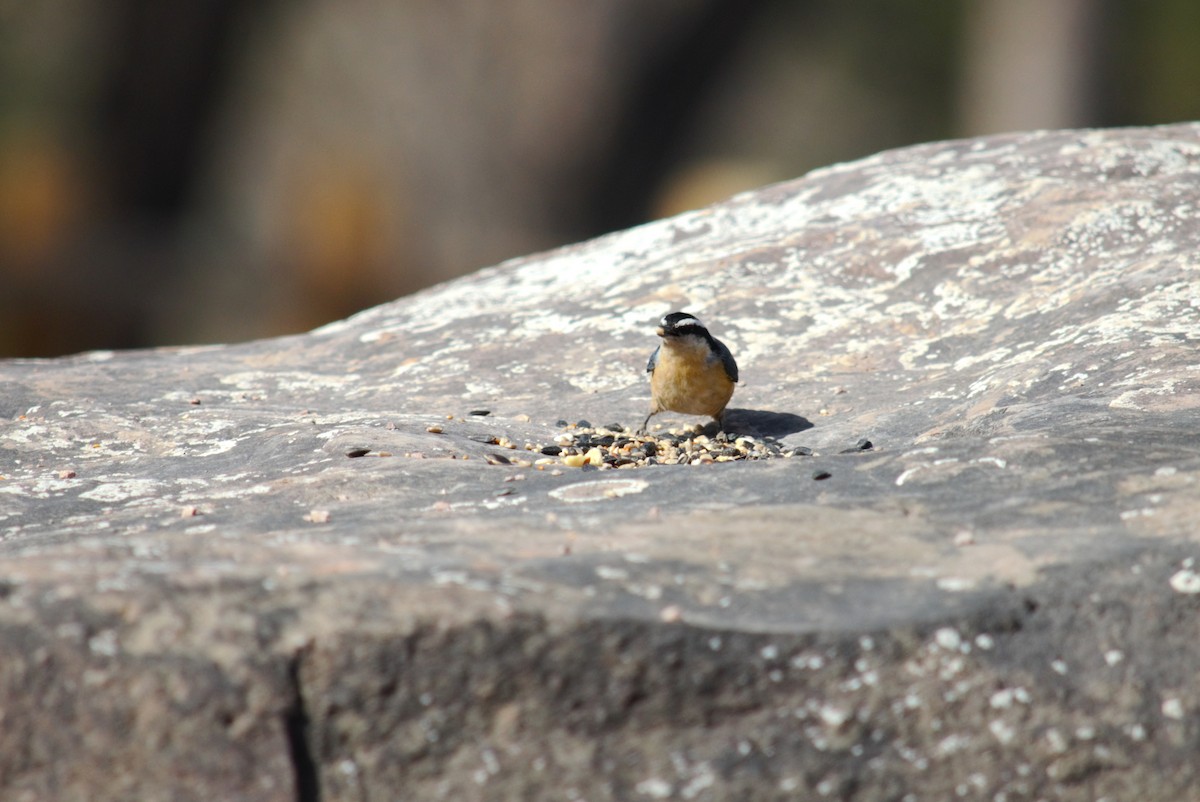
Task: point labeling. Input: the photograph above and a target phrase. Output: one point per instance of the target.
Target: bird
(691, 371)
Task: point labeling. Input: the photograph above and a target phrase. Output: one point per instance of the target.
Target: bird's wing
(726, 360)
(653, 360)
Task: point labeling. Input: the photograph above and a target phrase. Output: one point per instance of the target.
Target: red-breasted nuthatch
(691, 371)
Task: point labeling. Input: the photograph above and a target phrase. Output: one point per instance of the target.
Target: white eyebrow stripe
(688, 321)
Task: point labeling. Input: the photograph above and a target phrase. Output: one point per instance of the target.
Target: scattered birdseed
(613, 446)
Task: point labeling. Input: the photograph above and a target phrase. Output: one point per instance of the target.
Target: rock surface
(202, 596)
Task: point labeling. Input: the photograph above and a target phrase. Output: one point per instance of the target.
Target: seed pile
(612, 446)
(582, 445)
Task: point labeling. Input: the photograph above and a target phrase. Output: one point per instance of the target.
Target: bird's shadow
(764, 422)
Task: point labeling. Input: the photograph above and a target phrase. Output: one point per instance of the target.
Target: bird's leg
(642, 429)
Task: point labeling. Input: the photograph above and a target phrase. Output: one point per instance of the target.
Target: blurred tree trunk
(1030, 64)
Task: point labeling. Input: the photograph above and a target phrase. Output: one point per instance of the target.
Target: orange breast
(686, 381)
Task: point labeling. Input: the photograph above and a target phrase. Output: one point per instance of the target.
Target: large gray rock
(204, 597)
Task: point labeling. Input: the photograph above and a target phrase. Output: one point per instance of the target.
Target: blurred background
(180, 171)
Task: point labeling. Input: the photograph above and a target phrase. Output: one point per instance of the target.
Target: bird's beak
(660, 332)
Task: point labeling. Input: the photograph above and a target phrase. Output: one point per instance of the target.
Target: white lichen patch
(113, 491)
(1172, 708)
(236, 491)
(589, 381)
(970, 313)
(1163, 394)
(482, 390)
(1185, 581)
(990, 357)
(598, 490)
(41, 486)
(440, 362)
(206, 448)
(265, 382)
